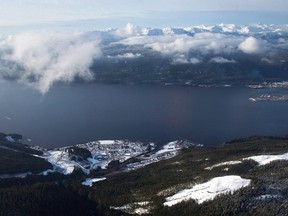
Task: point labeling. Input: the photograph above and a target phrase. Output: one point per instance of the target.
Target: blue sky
(85, 14)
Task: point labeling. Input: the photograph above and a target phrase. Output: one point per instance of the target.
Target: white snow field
(266, 159)
(89, 182)
(209, 190)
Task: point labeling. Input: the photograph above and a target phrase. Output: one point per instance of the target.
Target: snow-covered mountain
(131, 30)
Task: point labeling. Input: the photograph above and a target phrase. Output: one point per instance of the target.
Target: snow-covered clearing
(60, 161)
(170, 147)
(266, 159)
(209, 190)
(141, 211)
(15, 175)
(89, 182)
(260, 159)
(167, 151)
(106, 142)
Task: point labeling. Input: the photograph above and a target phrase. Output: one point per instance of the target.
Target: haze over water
(78, 113)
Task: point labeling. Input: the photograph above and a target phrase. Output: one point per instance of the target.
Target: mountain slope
(266, 194)
(259, 164)
(17, 158)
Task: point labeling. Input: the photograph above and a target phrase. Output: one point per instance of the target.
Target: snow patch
(260, 159)
(170, 147)
(168, 151)
(138, 208)
(141, 211)
(10, 139)
(266, 159)
(60, 161)
(106, 142)
(89, 182)
(227, 163)
(15, 175)
(209, 190)
(267, 196)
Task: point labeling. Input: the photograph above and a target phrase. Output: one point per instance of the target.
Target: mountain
(252, 29)
(240, 177)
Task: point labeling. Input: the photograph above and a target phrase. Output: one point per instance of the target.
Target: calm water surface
(71, 114)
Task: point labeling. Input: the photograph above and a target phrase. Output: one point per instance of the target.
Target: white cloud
(182, 59)
(129, 30)
(195, 61)
(200, 42)
(267, 60)
(126, 55)
(251, 45)
(49, 57)
(222, 60)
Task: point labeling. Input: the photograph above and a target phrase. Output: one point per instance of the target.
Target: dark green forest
(158, 69)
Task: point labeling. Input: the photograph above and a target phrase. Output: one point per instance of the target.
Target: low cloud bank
(251, 45)
(203, 43)
(183, 59)
(126, 55)
(221, 60)
(43, 58)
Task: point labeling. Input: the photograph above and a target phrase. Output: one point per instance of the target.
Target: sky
(21, 14)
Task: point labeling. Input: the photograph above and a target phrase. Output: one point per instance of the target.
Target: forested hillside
(144, 191)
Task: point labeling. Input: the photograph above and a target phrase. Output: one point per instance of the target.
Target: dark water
(79, 113)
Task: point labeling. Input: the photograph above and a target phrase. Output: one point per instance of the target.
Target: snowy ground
(209, 190)
(266, 159)
(227, 163)
(138, 208)
(89, 182)
(103, 152)
(170, 147)
(260, 159)
(106, 142)
(15, 175)
(268, 196)
(167, 151)
(60, 161)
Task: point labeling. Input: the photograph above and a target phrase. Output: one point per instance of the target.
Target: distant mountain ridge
(220, 28)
